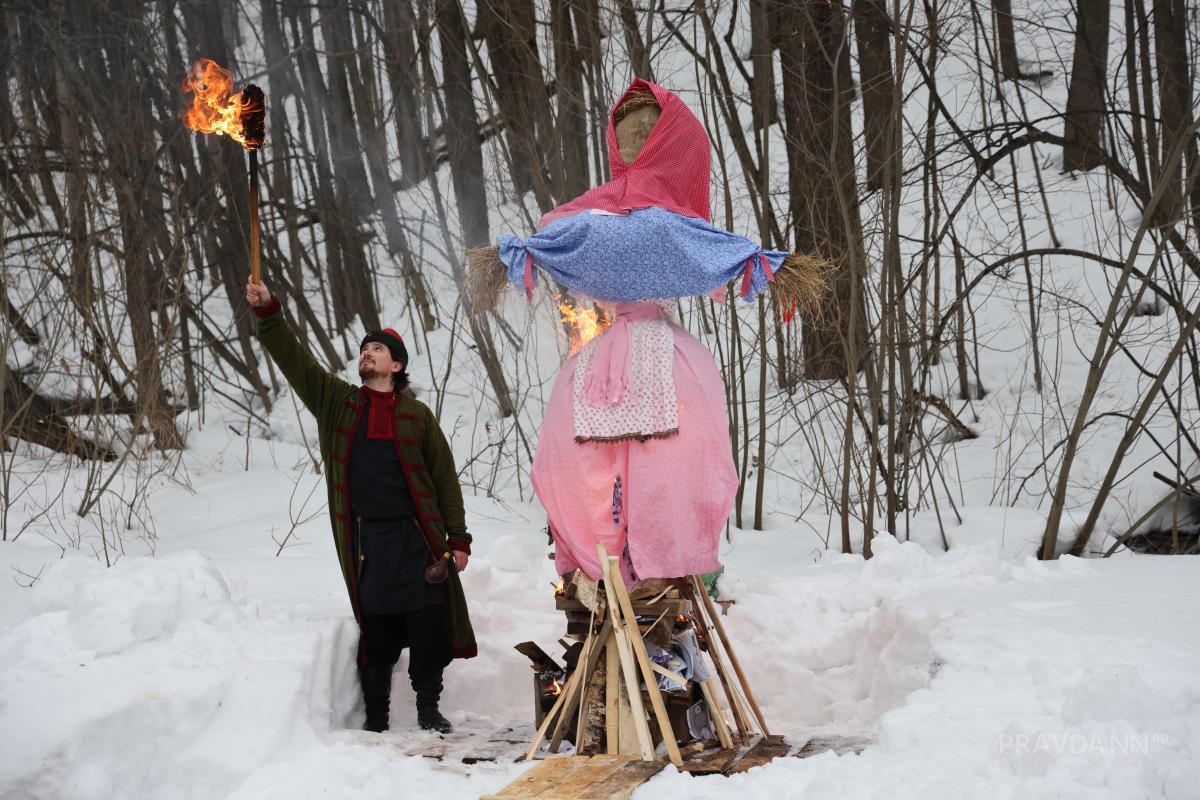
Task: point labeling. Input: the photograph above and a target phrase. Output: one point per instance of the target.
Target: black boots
(377, 689)
(428, 716)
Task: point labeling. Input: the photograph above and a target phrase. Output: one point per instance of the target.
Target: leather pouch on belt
(438, 571)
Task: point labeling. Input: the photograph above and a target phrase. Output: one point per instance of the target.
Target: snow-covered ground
(204, 664)
(218, 669)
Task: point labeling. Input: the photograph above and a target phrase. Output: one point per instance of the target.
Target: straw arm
(801, 284)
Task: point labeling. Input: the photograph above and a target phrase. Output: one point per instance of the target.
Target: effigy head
(634, 119)
(658, 156)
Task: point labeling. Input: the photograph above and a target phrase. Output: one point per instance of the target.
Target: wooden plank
(660, 595)
(570, 698)
(587, 591)
(630, 738)
(587, 662)
(628, 670)
(675, 676)
(612, 696)
(591, 728)
(740, 718)
(537, 656)
(651, 587)
(765, 750)
(711, 761)
(716, 714)
(538, 714)
(715, 618)
(743, 708)
(639, 650)
(492, 750)
(546, 775)
(841, 745)
(555, 712)
(621, 785)
(579, 676)
(659, 607)
(582, 783)
(604, 777)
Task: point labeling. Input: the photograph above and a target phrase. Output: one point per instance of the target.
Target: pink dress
(659, 504)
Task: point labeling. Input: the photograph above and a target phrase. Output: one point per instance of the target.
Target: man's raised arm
(311, 382)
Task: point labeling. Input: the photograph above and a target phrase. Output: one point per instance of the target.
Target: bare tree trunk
(762, 60)
(460, 126)
(1175, 103)
(572, 121)
(591, 40)
(9, 127)
(1085, 95)
(353, 197)
(817, 93)
(639, 54)
(1137, 126)
(400, 62)
(466, 168)
(1010, 69)
(29, 73)
(508, 27)
(374, 134)
(873, 35)
(139, 212)
(31, 417)
(223, 164)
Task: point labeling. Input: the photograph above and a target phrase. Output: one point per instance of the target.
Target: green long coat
(425, 458)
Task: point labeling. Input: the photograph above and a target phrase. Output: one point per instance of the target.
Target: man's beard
(366, 370)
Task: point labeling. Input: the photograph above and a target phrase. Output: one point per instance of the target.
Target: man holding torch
(396, 508)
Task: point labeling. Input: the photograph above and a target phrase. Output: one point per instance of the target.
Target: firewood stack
(647, 694)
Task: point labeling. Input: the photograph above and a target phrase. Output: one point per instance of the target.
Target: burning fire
(584, 324)
(216, 108)
(560, 588)
(553, 689)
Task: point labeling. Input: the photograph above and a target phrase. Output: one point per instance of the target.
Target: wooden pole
(255, 267)
(715, 619)
(579, 676)
(621, 637)
(741, 717)
(254, 131)
(718, 716)
(612, 699)
(639, 650)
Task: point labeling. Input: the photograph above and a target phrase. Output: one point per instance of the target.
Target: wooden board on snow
(841, 745)
(604, 777)
(763, 751)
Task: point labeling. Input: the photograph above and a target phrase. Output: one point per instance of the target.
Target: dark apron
(391, 556)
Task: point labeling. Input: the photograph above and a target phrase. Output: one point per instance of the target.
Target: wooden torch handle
(255, 266)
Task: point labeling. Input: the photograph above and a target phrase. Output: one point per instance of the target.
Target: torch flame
(216, 108)
(584, 324)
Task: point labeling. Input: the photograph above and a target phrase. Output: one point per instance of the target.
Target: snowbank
(150, 679)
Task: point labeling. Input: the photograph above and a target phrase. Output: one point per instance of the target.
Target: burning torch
(242, 116)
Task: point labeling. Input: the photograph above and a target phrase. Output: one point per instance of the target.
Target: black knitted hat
(389, 339)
